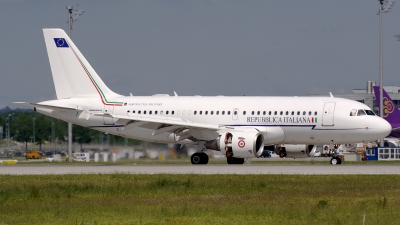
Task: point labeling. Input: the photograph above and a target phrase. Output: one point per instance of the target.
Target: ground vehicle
(50, 159)
(32, 154)
(266, 154)
(317, 154)
(81, 157)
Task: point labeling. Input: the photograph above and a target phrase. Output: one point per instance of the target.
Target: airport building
(367, 95)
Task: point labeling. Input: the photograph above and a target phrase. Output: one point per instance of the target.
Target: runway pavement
(201, 169)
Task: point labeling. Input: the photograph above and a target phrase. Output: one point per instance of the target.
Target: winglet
(330, 93)
(176, 95)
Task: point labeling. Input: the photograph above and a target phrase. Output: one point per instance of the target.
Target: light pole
(384, 6)
(53, 138)
(34, 137)
(8, 123)
(8, 132)
(72, 17)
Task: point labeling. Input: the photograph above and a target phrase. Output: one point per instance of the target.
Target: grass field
(199, 199)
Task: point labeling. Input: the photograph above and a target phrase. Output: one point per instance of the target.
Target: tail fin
(390, 111)
(72, 74)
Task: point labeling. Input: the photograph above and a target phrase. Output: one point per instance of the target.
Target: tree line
(23, 124)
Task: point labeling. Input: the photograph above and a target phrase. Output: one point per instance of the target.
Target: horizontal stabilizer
(52, 107)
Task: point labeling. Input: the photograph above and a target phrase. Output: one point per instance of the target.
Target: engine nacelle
(239, 144)
(295, 151)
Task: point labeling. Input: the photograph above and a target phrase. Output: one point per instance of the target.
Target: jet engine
(295, 151)
(238, 144)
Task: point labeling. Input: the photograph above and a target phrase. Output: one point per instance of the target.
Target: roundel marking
(241, 144)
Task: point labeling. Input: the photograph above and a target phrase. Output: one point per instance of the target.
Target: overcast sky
(260, 48)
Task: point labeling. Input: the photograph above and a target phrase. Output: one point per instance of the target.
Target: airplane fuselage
(288, 120)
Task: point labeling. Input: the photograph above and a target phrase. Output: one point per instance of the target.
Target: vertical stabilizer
(72, 74)
(390, 111)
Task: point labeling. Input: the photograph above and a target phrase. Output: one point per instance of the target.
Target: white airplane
(239, 127)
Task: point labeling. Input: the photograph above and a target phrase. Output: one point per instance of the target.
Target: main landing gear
(199, 158)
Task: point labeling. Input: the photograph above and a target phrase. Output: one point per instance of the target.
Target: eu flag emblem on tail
(61, 42)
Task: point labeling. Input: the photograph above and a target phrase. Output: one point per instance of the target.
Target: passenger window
(229, 112)
(304, 113)
(269, 113)
(172, 112)
(264, 113)
(161, 112)
(281, 113)
(315, 113)
(310, 113)
(287, 113)
(223, 112)
(217, 112)
(235, 113)
(353, 112)
(298, 113)
(150, 112)
(275, 113)
(139, 111)
(133, 111)
(166, 112)
(195, 113)
(244, 112)
(128, 111)
(258, 113)
(360, 112)
(155, 112)
(212, 112)
(292, 113)
(206, 112)
(201, 112)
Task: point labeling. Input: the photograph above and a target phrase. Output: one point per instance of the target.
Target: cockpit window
(370, 112)
(353, 112)
(361, 112)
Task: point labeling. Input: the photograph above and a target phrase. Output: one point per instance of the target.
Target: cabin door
(327, 116)
(108, 109)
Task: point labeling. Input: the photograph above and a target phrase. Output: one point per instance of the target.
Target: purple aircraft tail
(390, 111)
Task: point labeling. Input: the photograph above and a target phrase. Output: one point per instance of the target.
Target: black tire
(196, 159)
(233, 160)
(204, 158)
(339, 160)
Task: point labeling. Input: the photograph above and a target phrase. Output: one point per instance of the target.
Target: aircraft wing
(161, 124)
(52, 107)
(164, 124)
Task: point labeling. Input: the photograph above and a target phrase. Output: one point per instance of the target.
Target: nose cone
(383, 127)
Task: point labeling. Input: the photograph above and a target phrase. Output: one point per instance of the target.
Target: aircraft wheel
(196, 158)
(239, 160)
(336, 160)
(233, 160)
(204, 158)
